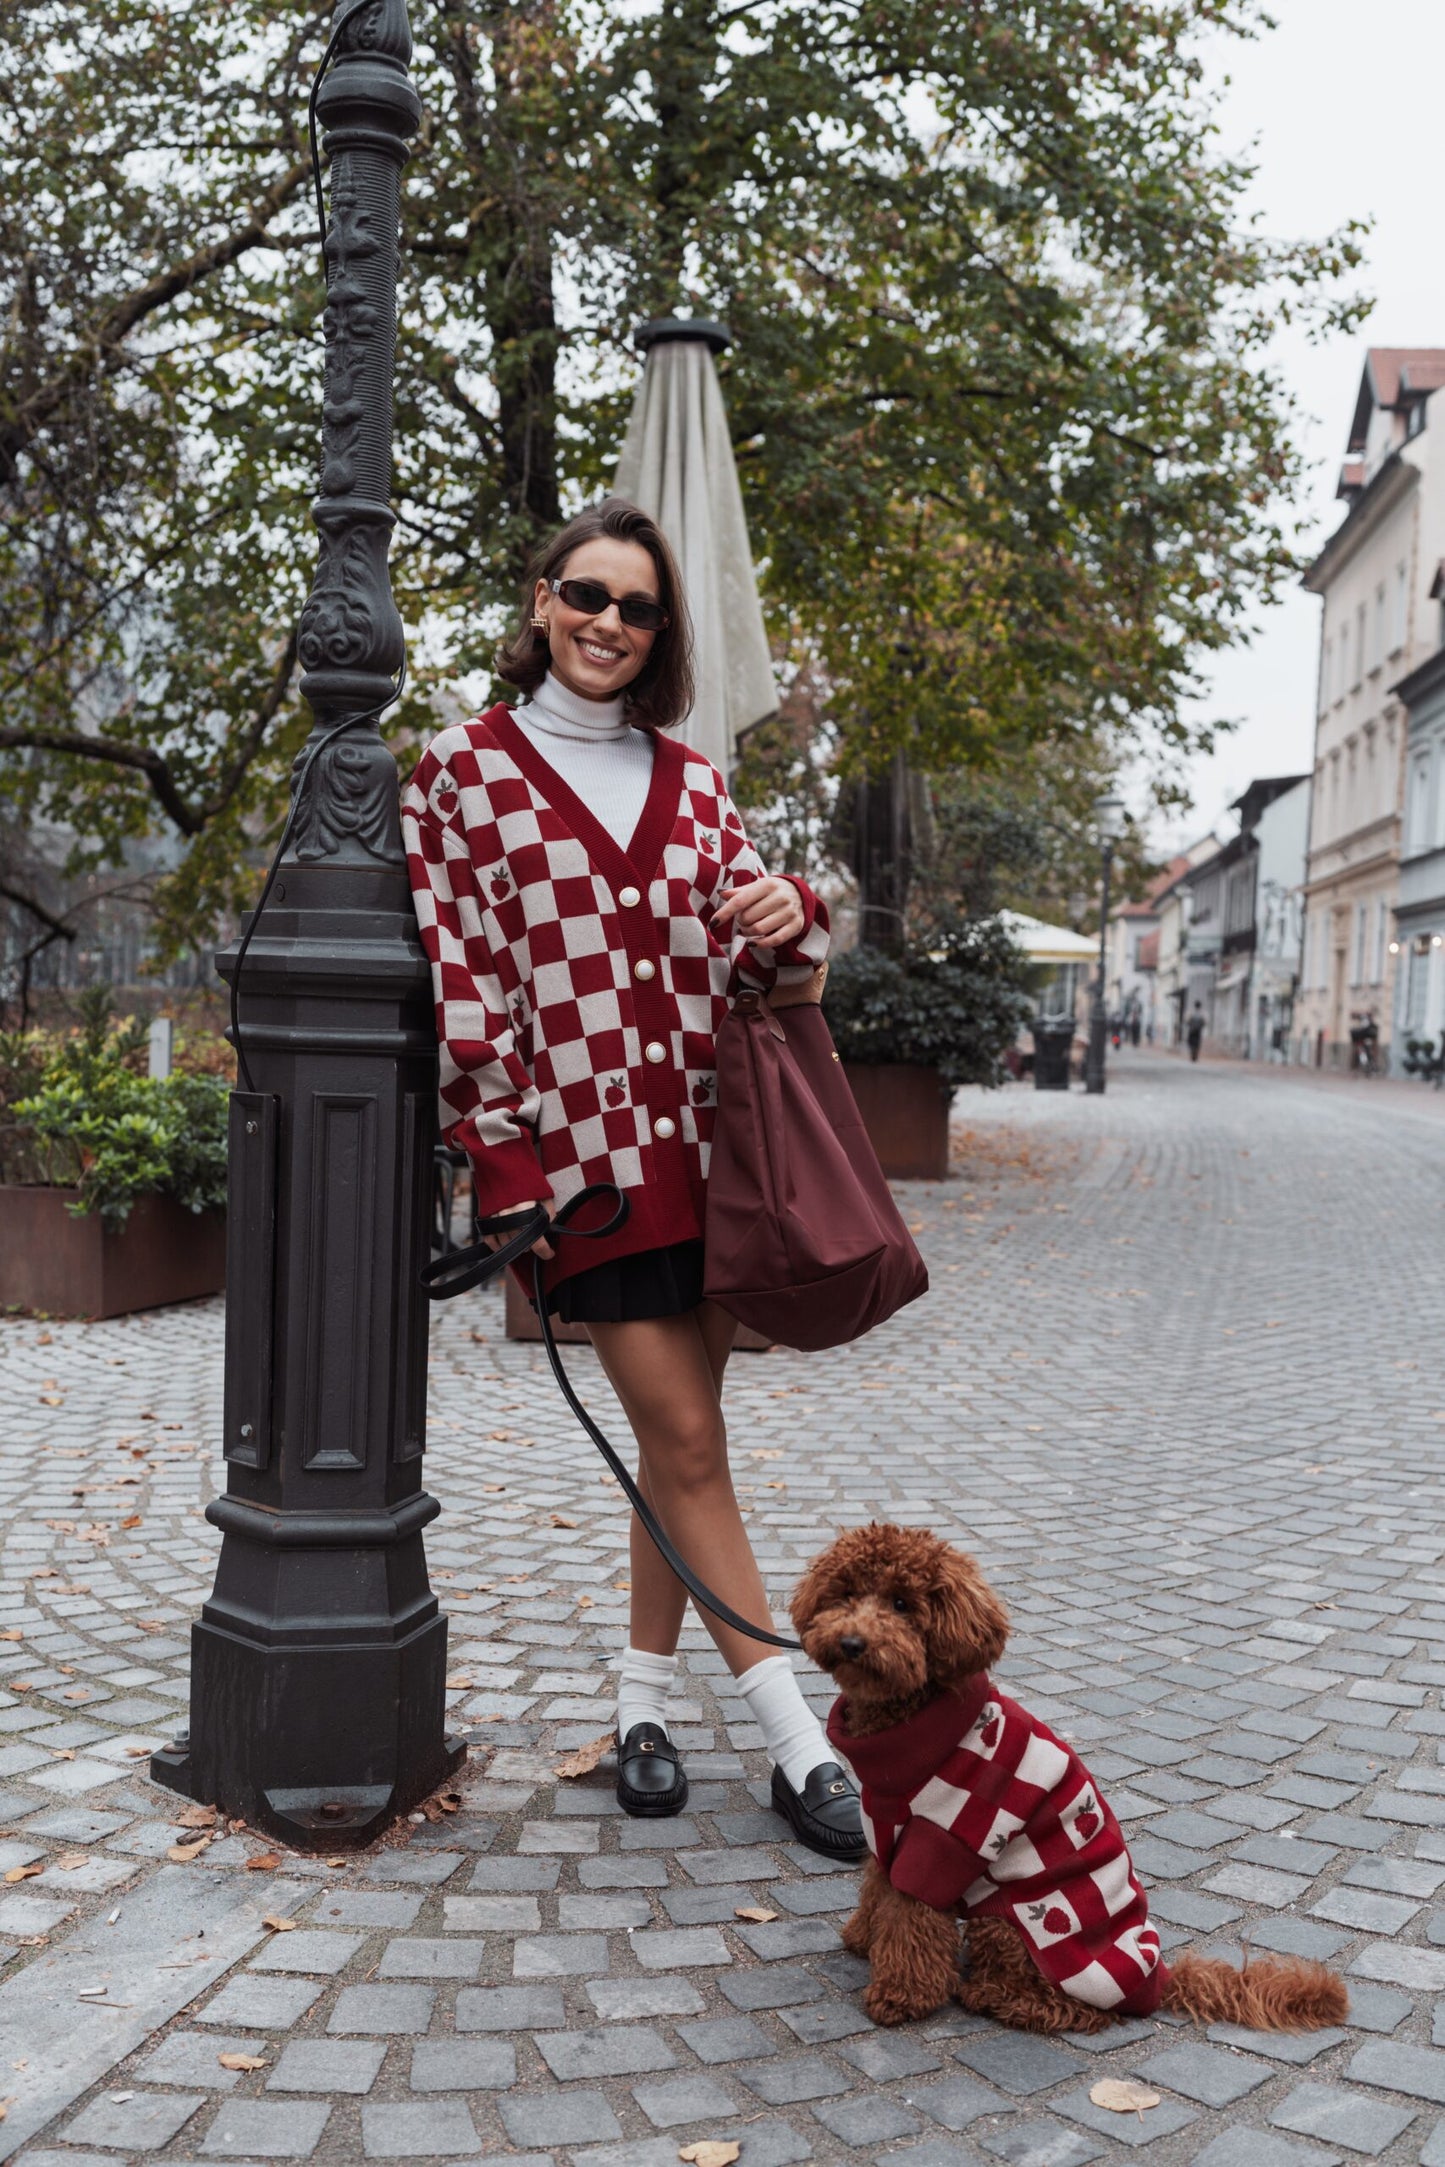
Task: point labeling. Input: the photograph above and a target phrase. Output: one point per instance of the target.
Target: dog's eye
(900, 1602)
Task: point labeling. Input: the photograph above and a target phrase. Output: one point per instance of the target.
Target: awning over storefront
(1043, 943)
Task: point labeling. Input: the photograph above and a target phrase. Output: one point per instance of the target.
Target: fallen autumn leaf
(584, 1759)
(1123, 2095)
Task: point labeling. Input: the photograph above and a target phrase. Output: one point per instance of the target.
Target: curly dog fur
(897, 1616)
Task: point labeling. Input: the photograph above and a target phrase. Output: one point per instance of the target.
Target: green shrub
(76, 1112)
(955, 1006)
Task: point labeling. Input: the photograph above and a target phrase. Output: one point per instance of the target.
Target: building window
(1397, 609)
(1357, 961)
(1382, 928)
(1359, 675)
(1327, 675)
(1417, 823)
(1417, 982)
(1377, 629)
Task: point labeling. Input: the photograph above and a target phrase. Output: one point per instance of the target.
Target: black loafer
(826, 1815)
(651, 1781)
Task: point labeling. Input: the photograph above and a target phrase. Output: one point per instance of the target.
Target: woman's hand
(539, 1248)
(769, 912)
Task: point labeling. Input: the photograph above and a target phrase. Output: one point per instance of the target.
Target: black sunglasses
(591, 598)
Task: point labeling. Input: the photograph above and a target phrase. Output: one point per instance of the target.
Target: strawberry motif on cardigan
(973, 1803)
(557, 958)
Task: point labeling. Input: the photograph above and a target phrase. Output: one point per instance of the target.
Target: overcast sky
(1346, 126)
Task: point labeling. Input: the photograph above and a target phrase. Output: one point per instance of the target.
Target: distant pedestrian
(1194, 1031)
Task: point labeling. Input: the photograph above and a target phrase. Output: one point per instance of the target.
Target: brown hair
(662, 692)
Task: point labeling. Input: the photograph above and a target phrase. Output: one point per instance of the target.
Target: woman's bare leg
(666, 1371)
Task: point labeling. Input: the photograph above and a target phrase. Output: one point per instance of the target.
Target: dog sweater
(974, 1803)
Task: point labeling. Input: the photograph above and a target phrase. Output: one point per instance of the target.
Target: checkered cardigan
(974, 1803)
(579, 988)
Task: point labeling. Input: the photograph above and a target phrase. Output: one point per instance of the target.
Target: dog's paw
(889, 2004)
(854, 1935)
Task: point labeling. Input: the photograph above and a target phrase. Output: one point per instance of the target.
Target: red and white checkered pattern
(552, 983)
(974, 1803)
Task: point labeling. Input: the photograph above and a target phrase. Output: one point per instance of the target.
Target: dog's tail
(1275, 1994)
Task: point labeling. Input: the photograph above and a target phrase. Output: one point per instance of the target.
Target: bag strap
(463, 1269)
(792, 993)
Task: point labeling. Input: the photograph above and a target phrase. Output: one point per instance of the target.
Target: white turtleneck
(596, 752)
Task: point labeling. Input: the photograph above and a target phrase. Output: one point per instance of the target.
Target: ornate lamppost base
(318, 1668)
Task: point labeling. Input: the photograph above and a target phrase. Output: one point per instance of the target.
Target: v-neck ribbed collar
(639, 861)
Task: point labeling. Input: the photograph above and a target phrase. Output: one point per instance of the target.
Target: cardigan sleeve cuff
(807, 950)
(505, 1174)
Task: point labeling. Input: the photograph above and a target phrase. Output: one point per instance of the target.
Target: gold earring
(539, 623)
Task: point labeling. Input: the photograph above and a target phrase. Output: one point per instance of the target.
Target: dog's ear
(812, 1592)
(968, 1625)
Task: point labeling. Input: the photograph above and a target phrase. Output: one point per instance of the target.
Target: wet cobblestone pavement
(1178, 1384)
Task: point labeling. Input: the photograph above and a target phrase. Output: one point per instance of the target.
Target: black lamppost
(1109, 818)
(319, 1662)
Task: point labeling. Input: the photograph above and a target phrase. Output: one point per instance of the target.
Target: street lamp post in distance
(1110, 819)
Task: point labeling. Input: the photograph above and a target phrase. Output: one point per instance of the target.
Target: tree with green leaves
(1012, 458)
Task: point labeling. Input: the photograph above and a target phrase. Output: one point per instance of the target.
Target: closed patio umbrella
(677, 463)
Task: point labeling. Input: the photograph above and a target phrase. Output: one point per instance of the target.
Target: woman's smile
(600, 656)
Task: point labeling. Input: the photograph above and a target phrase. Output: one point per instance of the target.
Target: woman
(586, 893)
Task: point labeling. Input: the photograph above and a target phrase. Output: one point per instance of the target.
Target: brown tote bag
(803, 1240)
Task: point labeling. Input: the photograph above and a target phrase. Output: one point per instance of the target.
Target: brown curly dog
(974, 1809)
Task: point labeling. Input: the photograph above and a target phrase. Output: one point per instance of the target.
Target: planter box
(905, 1111)
(73, 1267)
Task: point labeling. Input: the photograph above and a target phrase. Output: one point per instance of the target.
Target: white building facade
(1420, 917)
(1282, 845)
(1375, 577)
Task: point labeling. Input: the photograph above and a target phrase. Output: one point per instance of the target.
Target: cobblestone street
(1177, 1384)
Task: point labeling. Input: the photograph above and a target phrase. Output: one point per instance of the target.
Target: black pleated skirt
(654, 1283)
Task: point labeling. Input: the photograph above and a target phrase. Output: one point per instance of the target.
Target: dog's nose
(852, 1644)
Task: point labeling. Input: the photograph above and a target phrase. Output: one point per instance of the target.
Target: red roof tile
(1390, 374)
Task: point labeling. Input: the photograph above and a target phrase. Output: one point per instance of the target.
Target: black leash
(463, 1269)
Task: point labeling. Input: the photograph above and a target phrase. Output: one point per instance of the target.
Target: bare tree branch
(142, 758)
(251, 743)
(57, 927)
(102, 348)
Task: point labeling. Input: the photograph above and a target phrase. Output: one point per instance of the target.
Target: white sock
(642, 1687)
(791, 1732)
